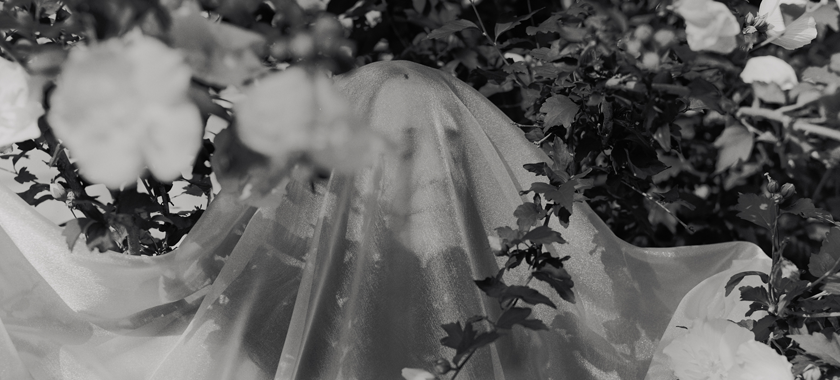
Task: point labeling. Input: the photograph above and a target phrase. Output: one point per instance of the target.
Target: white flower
(122, 105)
(718, 349)
(709, 25)
(416, 374)
(19, 112)
(769, 69)
(757, 361)
(793, 36)
(299, 112)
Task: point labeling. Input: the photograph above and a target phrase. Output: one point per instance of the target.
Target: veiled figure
(351, 280)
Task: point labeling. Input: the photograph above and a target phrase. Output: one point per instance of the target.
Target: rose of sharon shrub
(720, 349)
(19, 111)
(769, 69)
(122, 105)
(709, 25)
(299, 112)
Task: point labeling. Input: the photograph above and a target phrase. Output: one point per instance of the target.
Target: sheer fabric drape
(351, 280)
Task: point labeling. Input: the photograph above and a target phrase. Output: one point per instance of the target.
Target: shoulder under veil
(353, 279)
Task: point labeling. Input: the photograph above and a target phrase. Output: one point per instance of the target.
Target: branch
(68, 171)
(775, 115)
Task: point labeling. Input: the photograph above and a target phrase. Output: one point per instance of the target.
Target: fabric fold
(350, 279)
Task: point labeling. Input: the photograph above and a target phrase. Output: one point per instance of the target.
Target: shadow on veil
(350, 279)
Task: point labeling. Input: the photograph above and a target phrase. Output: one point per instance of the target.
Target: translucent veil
(351, 280)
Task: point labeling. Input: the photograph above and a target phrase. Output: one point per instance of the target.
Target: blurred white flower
(709, 25)
(417, 374)
(299, 112)
(757, 361)
(719, 349)
(793, 36)
(19, 110)
(769, 69)
(122, 105)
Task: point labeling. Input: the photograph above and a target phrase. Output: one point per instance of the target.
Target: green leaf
(704, 95)
(529, 295)
(505, 26)
(507, 235)
(559, 110)
(805, 208)
(561, 285)
(24, 176)
(492, 286)
(544, 235)
(527, 215)
(451, 27)
(513, 316)
(533, 324)
(454, 335)
(31, 196)
(73, 229)
(736, 279)
(757, 209)
(826, 16)
(560, 156)
(822, 262)
(827, 349)
(735, 144)
(820, 75)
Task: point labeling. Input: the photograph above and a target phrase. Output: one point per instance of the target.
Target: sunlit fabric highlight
(351, 280)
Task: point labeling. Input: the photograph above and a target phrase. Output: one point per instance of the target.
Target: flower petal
(798, 34)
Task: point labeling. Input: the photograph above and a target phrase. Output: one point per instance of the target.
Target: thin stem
(461, 366)
(495, 45)
(662, 206)
(817, 315)
(775, 115)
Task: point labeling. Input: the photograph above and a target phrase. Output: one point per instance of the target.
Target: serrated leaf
(736, 279)
(735, 144)
(527, 215)
(492, 286)
(451, 27)
(544, 235)
(560, 156)
(529, 295)
(31, 196)
(805, 208)
(827, 349)
(822, 262)
(559, 110)
(513, 316)
(757, 209)
(454, 335)
(24, 176)
(507, 234)
(505, 26)
(561, 285)
(73, 229)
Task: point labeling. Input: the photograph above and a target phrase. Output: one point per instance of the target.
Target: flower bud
(58, 191)
(772, 185)
(787, 190)
(442, 366)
